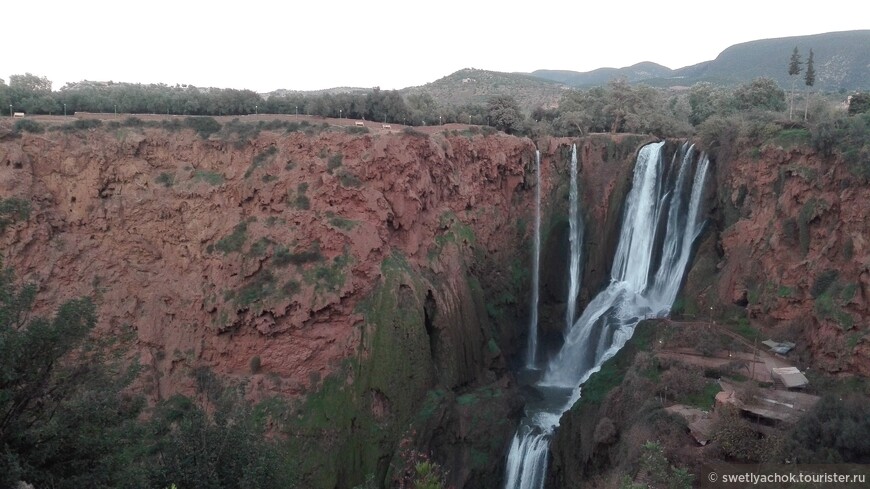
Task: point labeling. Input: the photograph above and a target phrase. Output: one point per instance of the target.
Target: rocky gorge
(375, 283)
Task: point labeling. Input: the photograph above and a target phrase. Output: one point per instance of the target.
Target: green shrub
(301, 201)
(165, 179)
(28, 125)
(356, 130)
(342, 223)
(793, 137)
(835, 430)
(204, 126)
(256, 364)
(133, 122)
(87, 124)
(348, 179)
(410, 131)
(259, 288)
(261, 158)
(719, 133)
(790, 232)
(737, 439)
(234, 241)
(284, 257)
(210, 177)
(859, 103)
(13, 210)
(334, 162)
(79, 125)
(823, 282)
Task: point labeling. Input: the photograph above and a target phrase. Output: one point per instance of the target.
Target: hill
(842, 62)
(473, 86)
(640, 71)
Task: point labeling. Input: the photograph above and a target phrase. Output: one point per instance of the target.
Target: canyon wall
(366, 281)
(376, 284)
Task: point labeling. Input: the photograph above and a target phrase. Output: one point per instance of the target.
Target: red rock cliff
(213, 253)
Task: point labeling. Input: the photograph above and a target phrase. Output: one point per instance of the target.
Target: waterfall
(660, 224)
(531, 357)
(576, 241)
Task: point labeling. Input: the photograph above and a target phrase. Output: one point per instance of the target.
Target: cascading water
(531, 357)
(648, 269)
(575, 238)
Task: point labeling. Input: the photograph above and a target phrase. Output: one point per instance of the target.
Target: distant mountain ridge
(640, 71)
(473, 86)
(841, 61)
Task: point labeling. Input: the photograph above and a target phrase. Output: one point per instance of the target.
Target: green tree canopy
(810, 75)
(761, 94)
(504, 113)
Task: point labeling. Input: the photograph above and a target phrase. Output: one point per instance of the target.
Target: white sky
(266, 45)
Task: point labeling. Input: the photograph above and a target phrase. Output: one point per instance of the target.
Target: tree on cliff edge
(809, 80)
(504, 113)
(794, 69)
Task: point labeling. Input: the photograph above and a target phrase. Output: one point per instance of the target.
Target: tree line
(615, 107)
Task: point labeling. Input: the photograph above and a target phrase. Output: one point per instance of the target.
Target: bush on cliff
(63, 419)
(28, 125)
(836, 430)
(67, 421)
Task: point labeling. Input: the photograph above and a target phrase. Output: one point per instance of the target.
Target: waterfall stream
(531, 357)
(575, 239)
(660, 223)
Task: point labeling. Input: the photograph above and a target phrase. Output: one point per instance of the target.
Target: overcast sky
(266, 45)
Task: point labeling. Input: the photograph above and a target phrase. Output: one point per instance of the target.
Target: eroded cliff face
(348, 273)
(790, 251)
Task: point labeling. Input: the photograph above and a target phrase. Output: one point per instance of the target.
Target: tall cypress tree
(794, 68)
(809, 80)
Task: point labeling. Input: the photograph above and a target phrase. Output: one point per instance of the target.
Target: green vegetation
(28, 125)
(836, 430)
(356, 130)
(742, 327)
(13, 210)
(78, 125)
(455, 232)
(329, 277)
(657, 470)
(256, 364)
(233, 242)
(284, 257)
(204, 126)
(504, 114)
(262, 158)
(165, 179)
(333, 163)
(70, 421)
(342, 223)
(210, 177)
(790, 138)
(258, 288)
(348, 179)
(823, 282)
(300, 200)
(738, 440)
(831, 297)
(613, 371)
